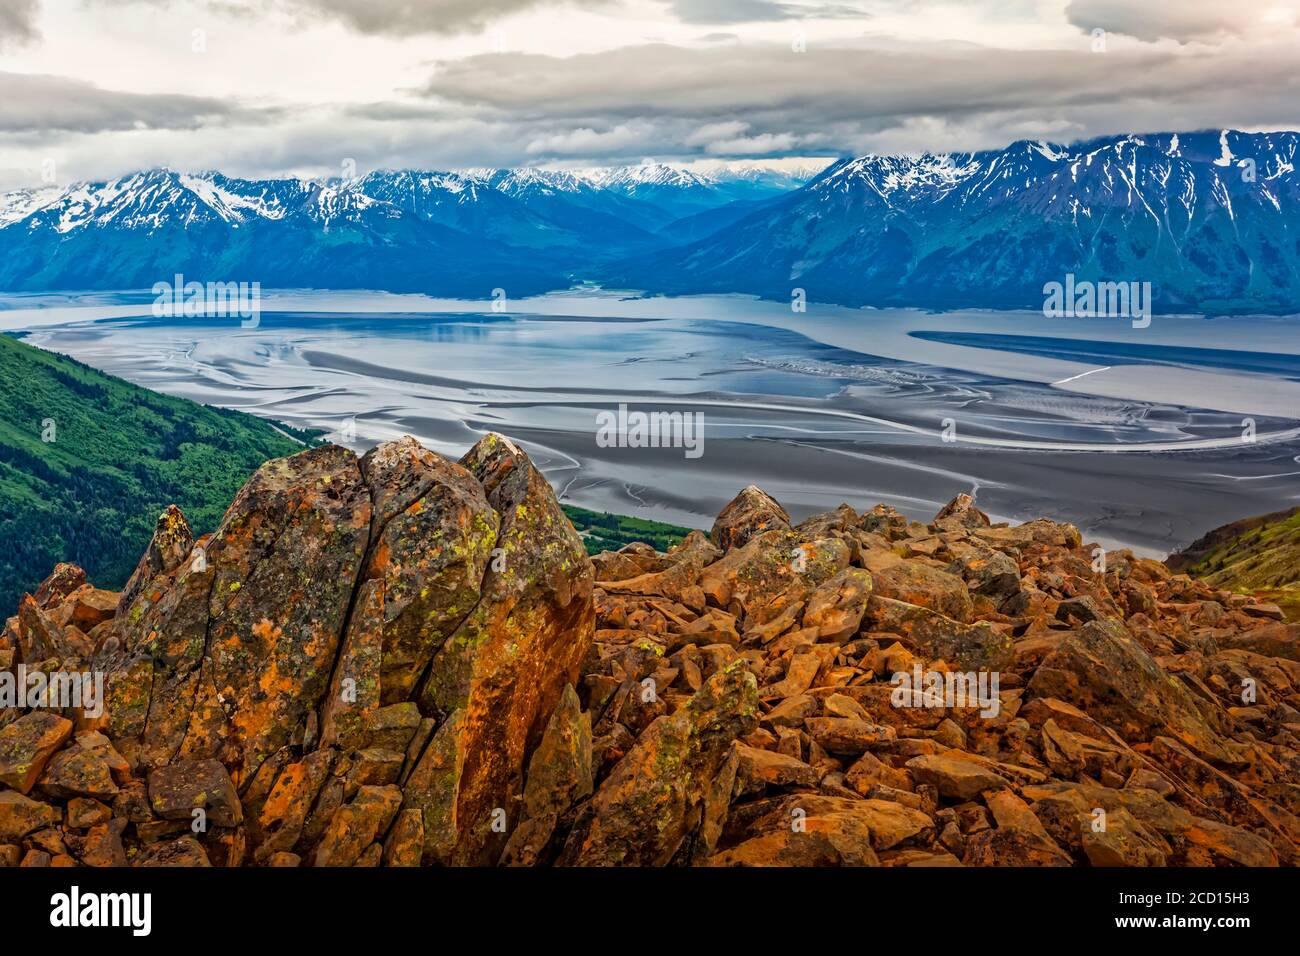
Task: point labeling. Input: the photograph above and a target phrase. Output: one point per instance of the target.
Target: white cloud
(294, 85)
(1183, 20)
(616, 141)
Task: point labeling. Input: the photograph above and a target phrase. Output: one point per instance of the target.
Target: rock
(1019, 839)
(969, 647)
(20, 816)
(354, 693)
(40, 637)
(374, 766)
(184, 851)
(678, 582)
(953, 776)
(284, 564)
(1119, 839)
(102, 845)
(791, 711)
(1270, 612)
(1271, 640)
(405, 843)
(84, 813)
(770, 574)
(394, 727)
(962, 508)
(925, 586)
(280, 821)
(987, 572)
(26, 746)
(870, 772)
(176, 791)
(1102, 670)
(642, 812)
(89, 767)
(848, 735)
(836, 608)
(559, 775)
(501, 674)
(813, 830)
(1218, 844)
(750, 513)
(798, 678)
(63, 580)
(355, 826)
(432, 537)
(171, 544)
(760, 768)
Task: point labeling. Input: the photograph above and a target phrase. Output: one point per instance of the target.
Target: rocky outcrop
(403, 660)
(357, 664)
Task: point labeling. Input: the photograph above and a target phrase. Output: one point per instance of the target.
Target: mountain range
(1211, 219)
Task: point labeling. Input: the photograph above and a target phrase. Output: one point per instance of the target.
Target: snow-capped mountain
(439, 231)
(465, 203)
(21, 203)
(1211, 219)
(136, 230)
(679, 192)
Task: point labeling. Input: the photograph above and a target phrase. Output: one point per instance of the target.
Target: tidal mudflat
(1139, 440)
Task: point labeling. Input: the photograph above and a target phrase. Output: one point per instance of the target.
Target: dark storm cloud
(772, 100)
(33, 102)
(17, 22)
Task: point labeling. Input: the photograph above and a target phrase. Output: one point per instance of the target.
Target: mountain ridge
(1210, 219)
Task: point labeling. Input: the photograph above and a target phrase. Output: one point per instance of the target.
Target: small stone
(27, 745)
(177, 790)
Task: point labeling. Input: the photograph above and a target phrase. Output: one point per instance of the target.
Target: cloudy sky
(94, 88)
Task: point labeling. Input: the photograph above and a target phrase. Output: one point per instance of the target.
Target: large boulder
(750, 513)
(924, 585)
(432, 537)
(1104, 671)
(559, 775)
(284, 565)
(499, 676)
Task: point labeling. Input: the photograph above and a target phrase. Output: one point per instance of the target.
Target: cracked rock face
(403, 660)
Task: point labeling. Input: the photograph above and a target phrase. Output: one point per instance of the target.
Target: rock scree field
(403, 660)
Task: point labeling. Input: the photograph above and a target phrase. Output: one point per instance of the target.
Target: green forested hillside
(1259, 555)
(609, 532)
(87, 462)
